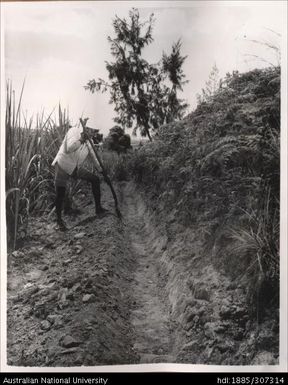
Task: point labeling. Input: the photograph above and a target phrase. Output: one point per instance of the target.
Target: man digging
(69, 163)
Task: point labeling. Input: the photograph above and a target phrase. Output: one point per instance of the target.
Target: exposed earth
(142, 290)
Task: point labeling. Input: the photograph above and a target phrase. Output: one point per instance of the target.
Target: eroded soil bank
(138, 291)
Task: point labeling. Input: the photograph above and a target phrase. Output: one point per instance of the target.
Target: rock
(52, 297)
(196, 319)
(264, 358)
(88, 283)
(18, 254)
(76, 287)
(209, 330)
(79, 249)
(239, 312)
(225, 312)
(56, 320)
(45, 325)
(192, 345)
(235, 312)
(208, 352)
(202, 310)
(40, 310)
(225, 346)
(69, 282)
(69, 342)
(63, 294)
(62, 298)
(67, 351)
(44, 267)
(30, 291)
(44, 292)
(189, 316)
(34, 252)
(265, 339)
(66, 262)
(52, 318)
(58, 323)
(213, 328)
(15, 298)
(80, 235)
(201, 293)
(191, 302)
(79, 359)
(88, 298)
(206, 318)
(27, 314)
(51, 280)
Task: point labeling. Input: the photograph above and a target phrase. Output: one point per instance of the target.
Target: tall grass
(30, 149)
(116, 165)
(254, 247)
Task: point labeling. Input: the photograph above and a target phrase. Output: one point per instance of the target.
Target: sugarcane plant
(30, 147)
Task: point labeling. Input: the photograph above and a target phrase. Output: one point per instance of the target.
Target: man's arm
(73, 141)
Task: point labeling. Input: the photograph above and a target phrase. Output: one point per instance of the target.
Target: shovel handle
(106, 177)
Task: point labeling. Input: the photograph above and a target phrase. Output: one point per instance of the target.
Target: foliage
(29, 154)
(257, 244)
(117, 140)
(116, 165)
(143, 94)
(211, 86)
(214, 169)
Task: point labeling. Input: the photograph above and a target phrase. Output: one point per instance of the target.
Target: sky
(57, 47)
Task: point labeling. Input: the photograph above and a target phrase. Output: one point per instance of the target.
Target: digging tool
(105, 175)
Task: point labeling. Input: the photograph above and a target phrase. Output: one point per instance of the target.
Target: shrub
(117, 140)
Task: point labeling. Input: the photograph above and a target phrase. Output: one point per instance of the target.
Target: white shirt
(72, 152)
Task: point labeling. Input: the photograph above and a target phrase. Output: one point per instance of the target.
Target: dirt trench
(139, 291)
(150, 313)
(90, 296)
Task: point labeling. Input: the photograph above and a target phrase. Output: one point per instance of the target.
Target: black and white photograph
(143, 185)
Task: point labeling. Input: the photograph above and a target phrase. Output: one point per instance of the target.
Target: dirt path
(91, 296)
(149, 316)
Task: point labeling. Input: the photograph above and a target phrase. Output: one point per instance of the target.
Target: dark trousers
(61, 179)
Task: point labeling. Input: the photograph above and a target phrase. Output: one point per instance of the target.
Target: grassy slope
(218, 172)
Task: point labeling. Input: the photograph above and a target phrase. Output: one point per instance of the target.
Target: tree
(211, 86)
(144, 95)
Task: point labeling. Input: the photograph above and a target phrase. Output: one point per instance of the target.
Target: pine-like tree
(144, 95)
